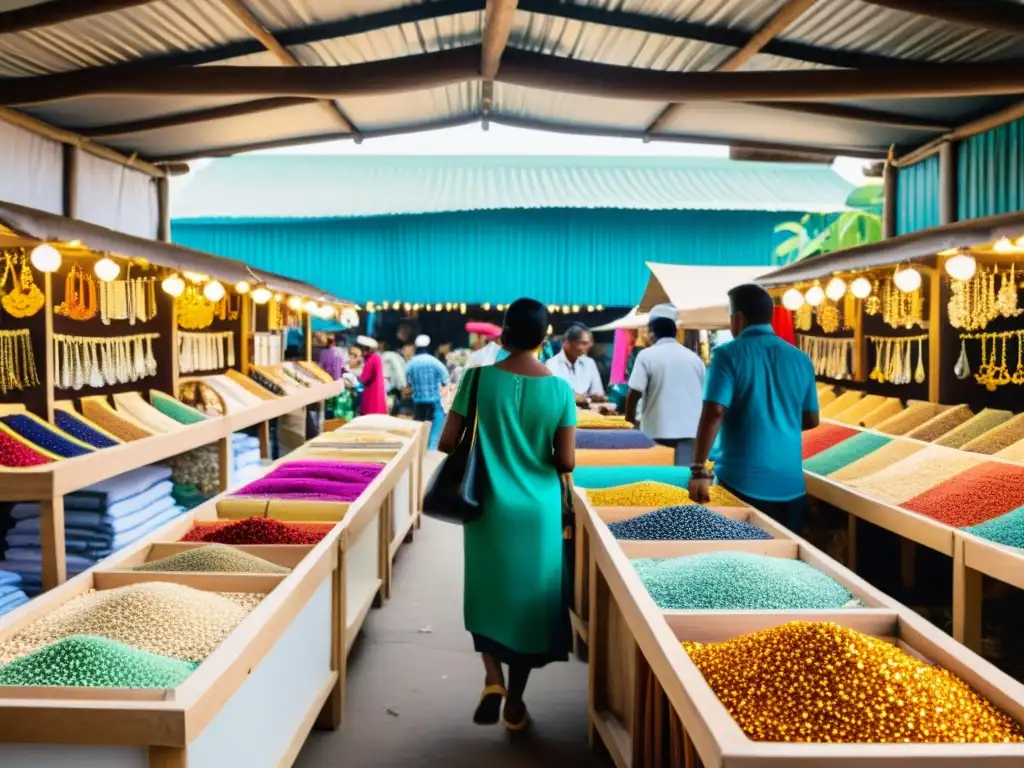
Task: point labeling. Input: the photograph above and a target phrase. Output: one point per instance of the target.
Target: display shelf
(973, 558)
(637, 662)
(281, 672)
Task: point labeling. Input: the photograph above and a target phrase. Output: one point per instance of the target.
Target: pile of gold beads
(820, 682)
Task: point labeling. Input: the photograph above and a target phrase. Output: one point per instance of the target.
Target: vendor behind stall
(759, 396)
(575, 366)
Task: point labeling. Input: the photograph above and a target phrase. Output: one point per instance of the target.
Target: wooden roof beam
(498, 16)
(785, 16)
(996, 15)
(525, 68)
(58, 12)
(854, 114)
(287, 59)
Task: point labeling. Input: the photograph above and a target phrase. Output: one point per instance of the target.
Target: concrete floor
(414, 682)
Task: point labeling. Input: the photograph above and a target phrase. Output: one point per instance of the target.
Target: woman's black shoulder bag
(453, 493)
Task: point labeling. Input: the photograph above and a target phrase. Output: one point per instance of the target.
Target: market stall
(212, 636)
(121, 352)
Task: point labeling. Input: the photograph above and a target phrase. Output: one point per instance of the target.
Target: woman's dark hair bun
(526, 324)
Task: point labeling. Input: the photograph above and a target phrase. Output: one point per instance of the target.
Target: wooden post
(245, 346)
(947, 183)
(175, 365)
(851, 542)
(889, 181)
(48, 362)
(225, 461)
(935, 304)
(860, 353)
(163, 203)
(307, 331)
(51, 539)
(334, 708)
(70, 181)
(967, 600)
(264, 435)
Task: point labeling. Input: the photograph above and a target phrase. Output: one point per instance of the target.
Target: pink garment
(620, 355)
(374, 397)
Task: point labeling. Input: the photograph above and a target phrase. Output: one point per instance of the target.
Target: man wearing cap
(759, 397)
(427, 376)
(574, 365)
(670, 378)
(374, 397)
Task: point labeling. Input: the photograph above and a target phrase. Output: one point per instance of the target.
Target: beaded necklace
(17, 361)
(25, 298)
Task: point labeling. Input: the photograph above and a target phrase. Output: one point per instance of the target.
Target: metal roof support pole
(163, 204)
(889, 181)
(498, 15)
(69, 180)
(948, 183)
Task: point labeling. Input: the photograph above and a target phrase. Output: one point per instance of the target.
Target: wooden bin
(651, 706)
(974, 557)
(580, 612)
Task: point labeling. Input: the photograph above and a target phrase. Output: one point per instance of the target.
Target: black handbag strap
(473, 390)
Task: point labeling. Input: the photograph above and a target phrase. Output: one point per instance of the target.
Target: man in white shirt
(575, 366)
(670, 378)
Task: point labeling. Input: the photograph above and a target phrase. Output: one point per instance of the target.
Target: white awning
(631, 319)
(698, 293)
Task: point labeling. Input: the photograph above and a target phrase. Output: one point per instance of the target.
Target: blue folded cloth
(102, 547)
(97, 521)
(8, 578)
(9, 602)
(106, 493)
(120, 508)
(247, 458)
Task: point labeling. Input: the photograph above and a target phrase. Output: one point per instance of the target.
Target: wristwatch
(701, 471)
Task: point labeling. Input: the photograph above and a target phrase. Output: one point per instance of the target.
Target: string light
(173, 285)
(836, 288)
(214, 291)
(262, 295)
(907, 280)
(815, 295)
(311, 306)
(861, 287)
(792, 299)
(962, 266)
(46, 258)
(241, 287)
(294, 303)
(107, 269)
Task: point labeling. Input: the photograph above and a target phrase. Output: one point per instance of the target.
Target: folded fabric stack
(11, 593)
(98, 521)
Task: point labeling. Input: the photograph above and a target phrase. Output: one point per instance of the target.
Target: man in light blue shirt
(759, 396)
(427, 376)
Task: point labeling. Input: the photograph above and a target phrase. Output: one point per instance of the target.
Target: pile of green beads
(216, 558)
(838, 456)
(739, 581)
(82, 660)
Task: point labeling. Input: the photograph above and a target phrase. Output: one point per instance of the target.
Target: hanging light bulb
(262, 295)
(1003, 245)
(815, 295)
(792, 299)
(600, 308)
(294, 303)
(462, 308)
(836, 288)
(106, 269)
(46, 258)
(386, 304)
(485, 307)
(326, 312)
(214, 291)
(962, 266)
(241, 287)
(907, 280)
(173, 285)
(311, 306)
(407, 306)
(861, 287)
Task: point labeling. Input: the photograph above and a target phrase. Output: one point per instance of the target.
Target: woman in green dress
(514, 597)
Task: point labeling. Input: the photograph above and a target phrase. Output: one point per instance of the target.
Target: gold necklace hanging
(275, 320)
(803, 317)
(194, 310)
(80, 302)
(25, 299)
(873, 303)
(828, 316)
(849, 311)
(17, 361)
(899, 309)
(830, 357)
(1006, 300)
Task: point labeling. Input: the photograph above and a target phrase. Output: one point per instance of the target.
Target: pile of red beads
(823, 437)
(258, 530)
(14, 453)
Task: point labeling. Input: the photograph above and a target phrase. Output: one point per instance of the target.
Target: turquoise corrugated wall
(991, 177)
(917, 196)
(558, 256)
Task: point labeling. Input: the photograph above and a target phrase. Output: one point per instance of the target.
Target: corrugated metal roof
(333, 186)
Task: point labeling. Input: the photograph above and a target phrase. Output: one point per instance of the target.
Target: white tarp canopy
(698, 293)
(632, 319)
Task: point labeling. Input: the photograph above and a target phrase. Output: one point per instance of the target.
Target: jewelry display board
(16, 372)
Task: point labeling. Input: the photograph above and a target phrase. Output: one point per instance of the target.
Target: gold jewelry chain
(993, 371)
(205, 351)
(102, 361)
(831, 357)
(894, 359)
(17, 361)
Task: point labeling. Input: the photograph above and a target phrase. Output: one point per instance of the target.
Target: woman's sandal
(524, 721)
(489, 709)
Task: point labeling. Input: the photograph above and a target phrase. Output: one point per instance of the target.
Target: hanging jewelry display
(831, 357)
(194, 310)
(993, 368)
(80, 301)
(849, 311)
(17, 361)
(899, 309)
(828, 316)
(132, 299)
(803, 317)
(25, 298)
(275, 318)
(206, 351)
(894, 363)
(97, 361)
(1006, 299)
(873, 303)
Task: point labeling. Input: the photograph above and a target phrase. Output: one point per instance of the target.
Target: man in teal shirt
(759, 396)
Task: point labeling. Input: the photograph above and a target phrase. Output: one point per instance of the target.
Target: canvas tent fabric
(698, 293)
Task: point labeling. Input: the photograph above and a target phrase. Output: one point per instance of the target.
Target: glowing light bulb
(1003, 245)
(962, 266)
(262, 295)
(214, 290)
(294, 303)
(311, 306)
(861, 287)
(173, 285)
(46, 258)
(815, 295)
(836, 288)
(106, 269)
(792, 299)
(241, 287)
(326, 312)
(907, 280)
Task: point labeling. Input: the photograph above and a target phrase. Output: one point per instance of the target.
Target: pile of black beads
(690, 522)
(612, 439)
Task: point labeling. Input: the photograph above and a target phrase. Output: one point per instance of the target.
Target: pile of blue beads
(690, 522)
